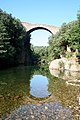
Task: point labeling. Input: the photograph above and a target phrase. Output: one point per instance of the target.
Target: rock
(55, 64)
(47, 111)
(65, 64)
(46, 107)
(32, 116)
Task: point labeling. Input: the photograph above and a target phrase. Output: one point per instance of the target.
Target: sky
(51, 12)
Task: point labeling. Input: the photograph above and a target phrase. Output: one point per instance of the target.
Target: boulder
(65, 64)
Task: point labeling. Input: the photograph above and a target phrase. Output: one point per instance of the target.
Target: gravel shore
(47, 111)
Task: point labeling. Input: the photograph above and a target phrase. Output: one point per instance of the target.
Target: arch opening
(39, 36)
(37, 28)
(27, 46)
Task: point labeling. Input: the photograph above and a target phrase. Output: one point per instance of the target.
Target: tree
(69, 34)
(12, 35)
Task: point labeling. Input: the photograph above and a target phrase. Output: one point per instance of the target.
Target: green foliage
(68, 54)
(69, 34)
(12, 34)
(40, 54)
(61, 65)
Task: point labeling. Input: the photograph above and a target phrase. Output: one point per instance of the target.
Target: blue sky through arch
(40, 37)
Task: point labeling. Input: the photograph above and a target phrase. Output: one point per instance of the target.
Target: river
(37, 85)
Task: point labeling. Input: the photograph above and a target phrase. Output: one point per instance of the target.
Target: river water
(32, 85)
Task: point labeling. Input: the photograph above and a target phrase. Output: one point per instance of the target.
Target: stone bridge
(25, 57)
(32, 27)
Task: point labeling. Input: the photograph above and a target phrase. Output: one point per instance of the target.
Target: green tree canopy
(12, 34)
(69, 34)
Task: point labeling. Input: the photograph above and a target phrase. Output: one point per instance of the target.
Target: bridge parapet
(29, 26)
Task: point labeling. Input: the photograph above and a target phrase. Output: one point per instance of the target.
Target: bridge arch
(39, 28)
(50, 28)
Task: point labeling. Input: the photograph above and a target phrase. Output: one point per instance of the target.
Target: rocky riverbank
(47, 111)
(65, 64)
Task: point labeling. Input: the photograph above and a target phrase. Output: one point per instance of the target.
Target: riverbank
(65, 64)
(47, 111)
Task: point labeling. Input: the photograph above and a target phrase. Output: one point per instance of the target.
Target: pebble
(46, 107)
(47, 111)
(32, 116)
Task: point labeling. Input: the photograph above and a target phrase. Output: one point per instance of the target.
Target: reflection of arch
(36, 28)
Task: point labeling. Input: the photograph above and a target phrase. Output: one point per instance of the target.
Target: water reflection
(39, 86)
(66, 75)
(67, 94)
(16, 85)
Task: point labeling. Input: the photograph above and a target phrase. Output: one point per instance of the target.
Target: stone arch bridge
(32, 27)
(25, 57)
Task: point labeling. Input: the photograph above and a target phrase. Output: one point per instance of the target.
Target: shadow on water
(35, 85)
